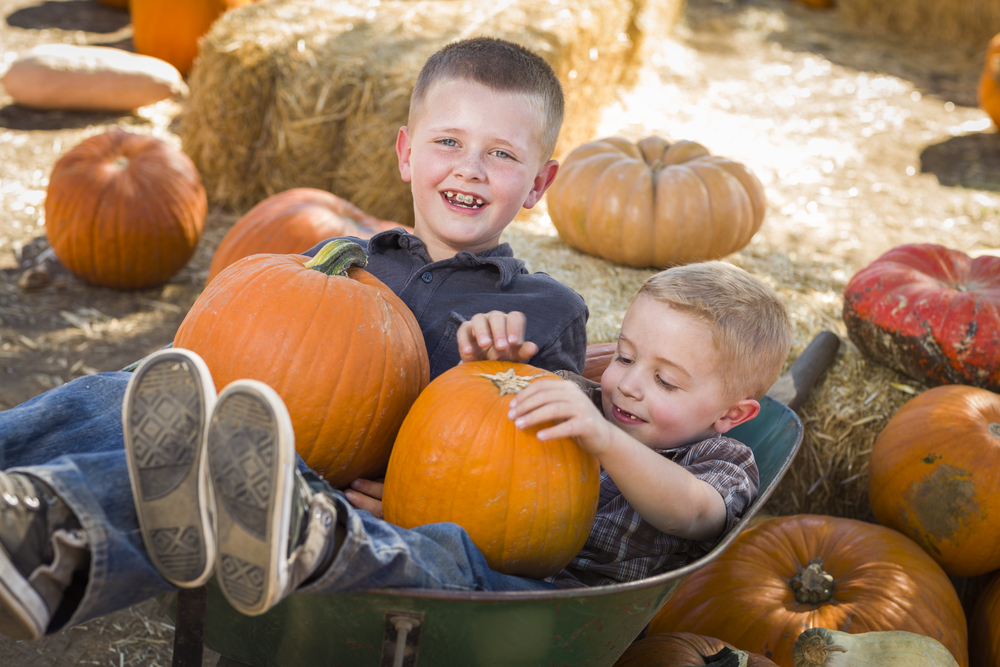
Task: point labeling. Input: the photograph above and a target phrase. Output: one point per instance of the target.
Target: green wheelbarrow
(430, 628)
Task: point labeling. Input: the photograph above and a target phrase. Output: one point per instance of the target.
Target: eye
(447, 142)
(503, 154)
(663, 383)
(622, 360)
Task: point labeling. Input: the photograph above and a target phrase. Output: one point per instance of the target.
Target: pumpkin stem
(727, 657)
(121, 162)
(337, 256)
(813, 646)
(509, 382)
(994, 429)
(812, 585)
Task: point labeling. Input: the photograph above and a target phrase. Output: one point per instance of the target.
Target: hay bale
(311, 93)
(958, 22)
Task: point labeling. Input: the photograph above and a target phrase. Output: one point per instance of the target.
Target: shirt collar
(500, 258)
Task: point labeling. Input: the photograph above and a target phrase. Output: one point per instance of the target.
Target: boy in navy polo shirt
(484, 119)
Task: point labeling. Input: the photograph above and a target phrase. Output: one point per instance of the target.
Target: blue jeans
(71, 437)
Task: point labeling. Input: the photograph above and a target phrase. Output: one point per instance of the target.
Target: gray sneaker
(166, 407)
(41, 546)
(272, 531)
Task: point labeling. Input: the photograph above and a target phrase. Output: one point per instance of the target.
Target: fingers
(549, 401)
(366, 495)
(495, 335)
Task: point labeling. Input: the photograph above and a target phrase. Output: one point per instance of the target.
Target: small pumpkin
(984, 625)
(821, 647)
(934, 475)
(292, 222)
(341, 349)
(528, 505)
(654, 203)
(989, 81)
(599, 357)
(792, 573)
(683, 649)
(66, 76)
(170, 29)
(929, 312)
(124, 210)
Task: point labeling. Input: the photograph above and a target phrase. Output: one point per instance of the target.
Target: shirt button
(427, 277)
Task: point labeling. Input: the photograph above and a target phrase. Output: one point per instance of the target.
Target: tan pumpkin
(528, 505)
(170, 29)
(65, 76)
(791, 573)
(294, 221)
(124, 210)
(934, 475)
(984, 625)
(653, 203)
(821, 647)
(683, 649)
(341, 349)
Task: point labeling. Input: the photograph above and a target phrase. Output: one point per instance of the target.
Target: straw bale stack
(967, 23)
(311, 93)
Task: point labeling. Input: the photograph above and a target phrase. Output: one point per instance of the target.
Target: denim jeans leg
(378, 554)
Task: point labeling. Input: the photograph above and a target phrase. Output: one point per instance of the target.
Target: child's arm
(662, 492)
(496, 336)
(366, 495)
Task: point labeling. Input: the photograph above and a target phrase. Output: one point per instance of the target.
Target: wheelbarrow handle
(793, 387)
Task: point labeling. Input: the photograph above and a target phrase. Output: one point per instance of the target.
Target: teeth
(463, 199)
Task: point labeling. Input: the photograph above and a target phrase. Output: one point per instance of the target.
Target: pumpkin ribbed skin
(984, 626)
(933, 476)
(344, 353)
(654, 203)
(292, 222)
(989, 81)
(882, 580)
(528, 505)
(124, 210)
(170, 29)
(679, 649)
(929, 312)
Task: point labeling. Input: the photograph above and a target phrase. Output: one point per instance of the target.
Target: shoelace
(14, 491)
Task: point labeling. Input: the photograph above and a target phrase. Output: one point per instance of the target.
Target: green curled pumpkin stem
(337, 256)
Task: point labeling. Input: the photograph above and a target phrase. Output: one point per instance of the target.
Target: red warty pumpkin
(341, 349)
(792, 573)
(989, 81)
(929, 312)
(528, 505)
(124, 210)
(934, 475)
(682, 649)
(292, 222)
(654, 203)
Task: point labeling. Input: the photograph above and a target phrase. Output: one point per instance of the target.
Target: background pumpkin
(881, 580)
(934, 475)
(654, 203)
(124, 210)
(527, 505)
(344, 353)
(679, 649)
(292, 222)
(599, 357)
(984, 625)
(989, 81)
(929, 312)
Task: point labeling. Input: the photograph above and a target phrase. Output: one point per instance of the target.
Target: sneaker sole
(23, 614)
(251, 458)
(165, 409)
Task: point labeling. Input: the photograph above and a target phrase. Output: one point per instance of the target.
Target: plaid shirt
(624, 547)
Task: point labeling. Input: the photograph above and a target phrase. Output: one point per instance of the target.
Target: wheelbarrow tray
(406, 627)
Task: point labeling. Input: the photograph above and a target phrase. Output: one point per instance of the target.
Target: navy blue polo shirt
(444, 294)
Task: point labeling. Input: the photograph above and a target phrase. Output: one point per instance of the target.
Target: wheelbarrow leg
(189, 631)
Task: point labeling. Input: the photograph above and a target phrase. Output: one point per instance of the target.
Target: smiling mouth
(626, 417)
(463, 201)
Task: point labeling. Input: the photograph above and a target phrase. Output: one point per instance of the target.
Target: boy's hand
(563, 402)
(495, 336)
(366, 495)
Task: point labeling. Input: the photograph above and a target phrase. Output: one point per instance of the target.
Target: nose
(630, 384)
(469, 167)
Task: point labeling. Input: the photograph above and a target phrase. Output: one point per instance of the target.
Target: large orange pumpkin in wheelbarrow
(929, 312)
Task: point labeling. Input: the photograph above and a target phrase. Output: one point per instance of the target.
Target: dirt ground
(864, 141)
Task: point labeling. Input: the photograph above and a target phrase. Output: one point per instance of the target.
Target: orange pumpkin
(989, 81)
(292, 222)
(528, 505)
(792, 573)
(124, 210)
(170, 29)
(933, 476)
(984, 625)
(344, 353)
(654, 203)
(681, 649)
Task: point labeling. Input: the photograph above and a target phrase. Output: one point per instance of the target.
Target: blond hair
(501, 66)
(750, 328)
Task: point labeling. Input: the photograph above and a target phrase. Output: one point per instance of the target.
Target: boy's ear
(403, 149)
(543, 180)
(742, 411)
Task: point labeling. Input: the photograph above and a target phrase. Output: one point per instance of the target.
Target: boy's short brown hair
(750, 328)
(501, 66)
